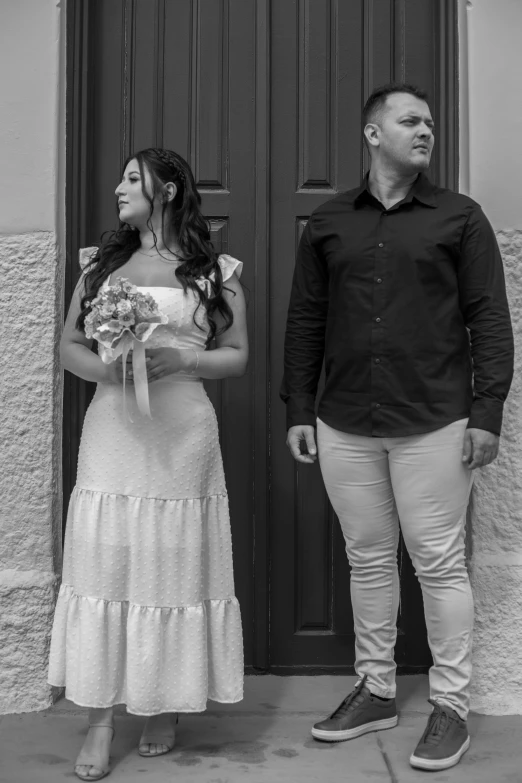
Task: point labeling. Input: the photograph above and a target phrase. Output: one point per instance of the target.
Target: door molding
(261, 553)
(78, 138)
(446, 92)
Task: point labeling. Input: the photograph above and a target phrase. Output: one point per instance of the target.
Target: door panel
(315, 147)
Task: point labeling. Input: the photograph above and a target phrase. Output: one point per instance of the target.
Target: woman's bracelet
(191, 372)
(197, 362)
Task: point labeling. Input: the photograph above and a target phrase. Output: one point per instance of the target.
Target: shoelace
(352, 700)
(438, 724)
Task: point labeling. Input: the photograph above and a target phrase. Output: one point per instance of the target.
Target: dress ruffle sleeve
(229, 265)
(85, 254)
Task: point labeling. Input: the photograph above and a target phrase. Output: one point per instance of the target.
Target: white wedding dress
(146, 614)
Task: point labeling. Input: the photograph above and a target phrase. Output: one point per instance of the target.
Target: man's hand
(480, 448)
(302, 434)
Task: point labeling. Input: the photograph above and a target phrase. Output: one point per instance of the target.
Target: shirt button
(377, 361)
(381, 244)
(379, 279)
(377, 404)
(378, 320)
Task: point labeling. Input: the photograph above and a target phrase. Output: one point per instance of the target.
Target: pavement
(264, 739)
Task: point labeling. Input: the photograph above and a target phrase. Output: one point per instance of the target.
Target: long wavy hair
(182, 218)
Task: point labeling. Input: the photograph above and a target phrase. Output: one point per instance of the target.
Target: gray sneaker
(358, 714)
(444, 741)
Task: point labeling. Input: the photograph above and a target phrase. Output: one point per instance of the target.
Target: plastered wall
(31, 270)
(491, 173)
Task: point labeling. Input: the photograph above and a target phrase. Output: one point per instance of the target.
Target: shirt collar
(422, 190)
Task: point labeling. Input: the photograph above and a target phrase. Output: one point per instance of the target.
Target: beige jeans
(421, 480)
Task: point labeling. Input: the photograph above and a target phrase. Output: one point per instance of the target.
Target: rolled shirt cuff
(486, 414)
(300, 409)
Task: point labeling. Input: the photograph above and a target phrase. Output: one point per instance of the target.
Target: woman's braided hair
(183, 216)
(170, 159)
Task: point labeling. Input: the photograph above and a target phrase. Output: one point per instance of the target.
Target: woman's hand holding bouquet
(122, 318)
(159, 363)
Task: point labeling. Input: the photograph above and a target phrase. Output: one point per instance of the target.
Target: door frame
(79, 138)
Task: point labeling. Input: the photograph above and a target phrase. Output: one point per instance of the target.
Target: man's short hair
(377, 100)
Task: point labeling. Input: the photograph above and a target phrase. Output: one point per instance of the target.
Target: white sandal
(165, 737)
(90, 759)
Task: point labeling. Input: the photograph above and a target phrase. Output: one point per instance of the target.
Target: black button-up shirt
(386, 297)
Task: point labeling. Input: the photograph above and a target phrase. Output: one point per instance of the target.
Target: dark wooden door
(264, 100)
(327, 56)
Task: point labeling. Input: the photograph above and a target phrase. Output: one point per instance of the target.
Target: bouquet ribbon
(139, 370)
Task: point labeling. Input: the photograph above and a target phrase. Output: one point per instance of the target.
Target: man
(399, 286)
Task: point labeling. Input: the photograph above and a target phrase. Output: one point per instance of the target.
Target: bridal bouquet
(119, 310)
(121, 318)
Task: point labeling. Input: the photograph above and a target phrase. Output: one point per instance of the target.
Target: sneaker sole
(434, 764)
(365, 728)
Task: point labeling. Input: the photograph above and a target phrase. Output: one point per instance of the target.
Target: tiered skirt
(146, 614)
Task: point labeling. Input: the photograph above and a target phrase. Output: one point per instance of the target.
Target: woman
(147, 615)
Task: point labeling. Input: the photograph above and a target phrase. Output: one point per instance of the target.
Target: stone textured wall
(496, 536)
(30, 464)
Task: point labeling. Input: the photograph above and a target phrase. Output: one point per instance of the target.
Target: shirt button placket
(378, 310)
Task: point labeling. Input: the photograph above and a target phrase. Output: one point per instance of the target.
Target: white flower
(123, 307)
(127, 319)
(106, 310)
(129, 288)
